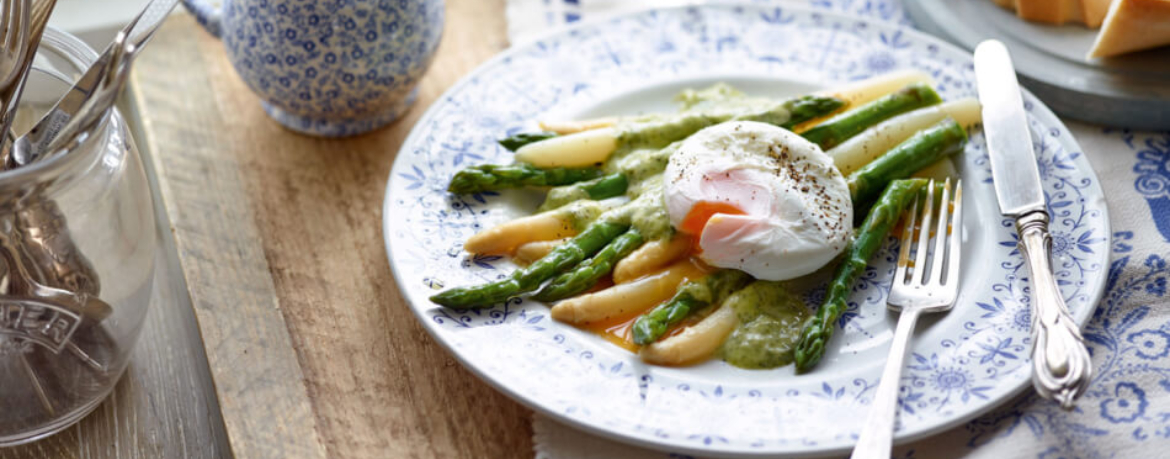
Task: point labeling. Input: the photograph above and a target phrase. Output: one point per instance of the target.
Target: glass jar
(77, 261)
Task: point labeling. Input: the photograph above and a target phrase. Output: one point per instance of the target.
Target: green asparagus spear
(588, 272)
(606, 187)
(525, 280)
(597, 189)
(841, 127)
(658, 132)
(787, 114)
(805, 108)
(496, 177)
(514, 142)
(819, 328)
(692, 296)
(922, 149)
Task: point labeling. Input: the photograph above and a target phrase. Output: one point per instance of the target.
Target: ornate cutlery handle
(45, 239)
(1061, 368)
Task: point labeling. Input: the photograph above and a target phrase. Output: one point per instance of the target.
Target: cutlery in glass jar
(81, 109)
(36, 17)
(14, 39)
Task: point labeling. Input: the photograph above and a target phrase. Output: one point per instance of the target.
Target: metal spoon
(22, 283)
(45, 240)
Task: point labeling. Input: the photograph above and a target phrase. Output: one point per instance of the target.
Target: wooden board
(311, 347)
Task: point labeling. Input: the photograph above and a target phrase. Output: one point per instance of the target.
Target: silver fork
(14, 18)
(36, 20)
(916, 288)
(85, 103)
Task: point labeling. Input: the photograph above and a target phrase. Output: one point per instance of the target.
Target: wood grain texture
(312, 347)
(165, 405)
(261, 388)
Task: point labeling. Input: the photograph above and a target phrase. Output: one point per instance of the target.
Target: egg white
(795, 212)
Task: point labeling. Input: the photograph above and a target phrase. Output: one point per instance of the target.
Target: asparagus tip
(642, 335)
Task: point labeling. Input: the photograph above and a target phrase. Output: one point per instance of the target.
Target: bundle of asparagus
(579, 238)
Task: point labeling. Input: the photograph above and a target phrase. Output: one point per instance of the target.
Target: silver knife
(1061, 368)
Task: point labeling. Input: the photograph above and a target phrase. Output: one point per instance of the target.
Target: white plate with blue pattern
(962, 363)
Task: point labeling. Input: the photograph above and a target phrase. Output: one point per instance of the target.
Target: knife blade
(1009, 142)
(1061, 367)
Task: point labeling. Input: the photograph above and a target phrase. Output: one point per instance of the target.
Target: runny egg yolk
(701, 213)
(758, 198)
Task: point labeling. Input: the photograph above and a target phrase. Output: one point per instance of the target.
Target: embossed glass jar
(78, 248)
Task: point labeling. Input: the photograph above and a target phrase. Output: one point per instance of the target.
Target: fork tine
(923, 236)
(956, 233)
(40, 13)
(940, 236)
(22, 31)
(908, 222)
(9, 20)
(19, 42)
(12, 23)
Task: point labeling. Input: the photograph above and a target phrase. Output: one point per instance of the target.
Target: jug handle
(208, 13)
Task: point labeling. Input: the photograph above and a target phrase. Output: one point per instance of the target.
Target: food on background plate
(1126, 25)
(687, 235)
(1133, 25)
(1087, 12)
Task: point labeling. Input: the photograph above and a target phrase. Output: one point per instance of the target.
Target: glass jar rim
(79, 55)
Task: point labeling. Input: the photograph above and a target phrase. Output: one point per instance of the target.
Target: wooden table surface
(280, 331)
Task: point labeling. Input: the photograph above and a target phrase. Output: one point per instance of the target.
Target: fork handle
(1061, 367)
(877, 435)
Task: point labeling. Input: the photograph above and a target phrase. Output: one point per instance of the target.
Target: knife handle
(1061, 368)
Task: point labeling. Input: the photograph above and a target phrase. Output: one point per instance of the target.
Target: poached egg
(759, 198)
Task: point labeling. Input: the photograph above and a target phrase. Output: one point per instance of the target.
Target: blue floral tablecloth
(1126, 411)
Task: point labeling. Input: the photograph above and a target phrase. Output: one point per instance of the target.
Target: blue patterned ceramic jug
(328, 68)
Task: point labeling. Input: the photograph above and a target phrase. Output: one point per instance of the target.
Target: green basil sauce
(701, 108)
(581, 213)
(646, 210)
(645, 146)
(563, 195)
(717, 286)
(770, 321)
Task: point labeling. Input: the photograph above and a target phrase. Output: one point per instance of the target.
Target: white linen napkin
(1126, 411)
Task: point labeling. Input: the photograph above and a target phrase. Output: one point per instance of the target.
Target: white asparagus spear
(570, 127)
(861, 92)
(582, 149)
(626, 299)
(535, 250)
(502, 239)
(695, 343)
(858, 151)
(649, 257)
